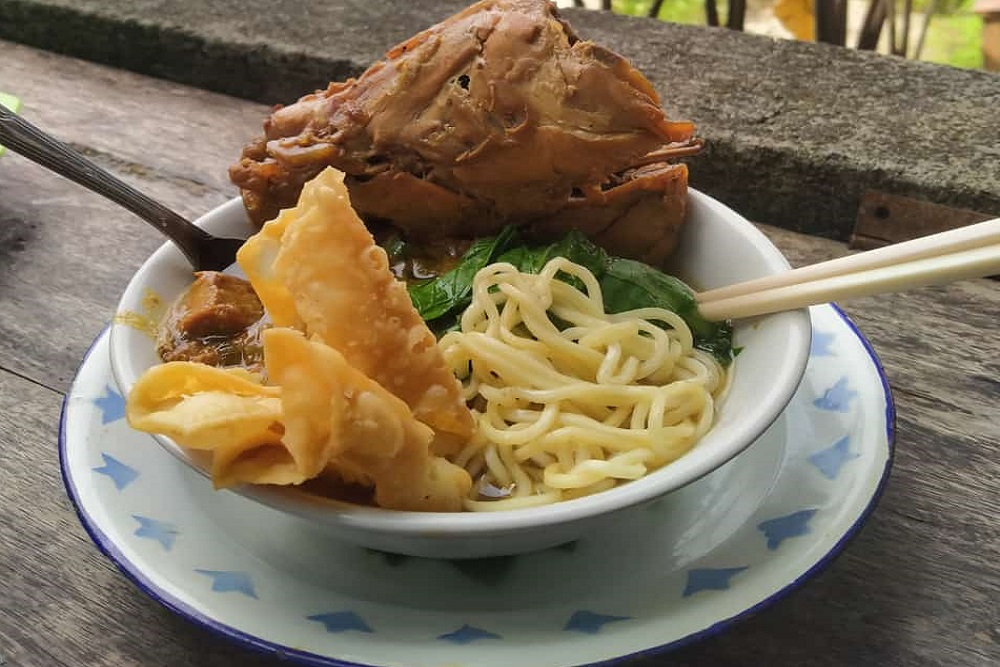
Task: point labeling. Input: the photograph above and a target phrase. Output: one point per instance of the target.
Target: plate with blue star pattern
(676, 570)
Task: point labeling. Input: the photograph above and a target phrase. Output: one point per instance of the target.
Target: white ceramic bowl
(718, 247)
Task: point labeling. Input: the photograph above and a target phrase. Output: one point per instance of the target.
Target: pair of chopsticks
(958, 254)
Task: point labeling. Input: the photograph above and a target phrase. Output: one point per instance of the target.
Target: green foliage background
(954, 37)
(675, 11)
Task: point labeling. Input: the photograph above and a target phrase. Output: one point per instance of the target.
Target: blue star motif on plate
(111, 405)
(829, 461)
(837, 398)
(779, 529)
(710, 579)
(467, 634)
(161, 531)
(820, 345)
(225, 581)
(120, 474)
(589, 622)
(341, 621)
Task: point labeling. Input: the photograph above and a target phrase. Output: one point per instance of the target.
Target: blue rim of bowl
(132, 572)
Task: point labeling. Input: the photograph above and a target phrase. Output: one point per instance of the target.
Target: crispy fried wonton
(362, 431)
(225, 411)
(323, 416)
(357, 387)
(317, 264)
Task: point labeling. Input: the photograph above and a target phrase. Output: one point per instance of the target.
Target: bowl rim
(330, 511)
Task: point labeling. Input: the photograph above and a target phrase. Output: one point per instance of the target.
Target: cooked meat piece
(216, 303)
(216, 321)
(638, 217)
(498, 115)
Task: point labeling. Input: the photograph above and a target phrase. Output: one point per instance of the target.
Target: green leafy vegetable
(626, 285)
(574, 246)
(451, 292)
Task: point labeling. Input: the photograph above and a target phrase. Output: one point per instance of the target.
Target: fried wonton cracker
(227, 412)
(319, 260)
(256, 258)
(362, 430)
(323, 415)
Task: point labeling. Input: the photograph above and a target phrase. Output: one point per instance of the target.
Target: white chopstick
(962, 238)
(968, 252)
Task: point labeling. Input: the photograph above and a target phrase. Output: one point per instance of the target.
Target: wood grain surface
(920, 584)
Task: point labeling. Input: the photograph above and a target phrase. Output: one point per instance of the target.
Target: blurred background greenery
(954, 33)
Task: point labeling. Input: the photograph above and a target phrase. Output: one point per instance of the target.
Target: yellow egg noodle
(570, 409)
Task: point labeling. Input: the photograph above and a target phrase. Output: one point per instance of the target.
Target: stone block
(796, 132)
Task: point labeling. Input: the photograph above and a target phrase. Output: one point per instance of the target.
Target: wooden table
(920, 584)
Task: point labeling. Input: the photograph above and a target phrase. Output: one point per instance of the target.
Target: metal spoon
(204, 251)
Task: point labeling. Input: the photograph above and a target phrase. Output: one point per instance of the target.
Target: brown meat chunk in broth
(216, 321)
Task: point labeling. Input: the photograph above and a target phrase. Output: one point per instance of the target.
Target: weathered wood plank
(918, 586)
(63, 603)
(66, 253)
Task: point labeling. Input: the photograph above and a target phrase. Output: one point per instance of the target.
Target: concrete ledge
(796, 132)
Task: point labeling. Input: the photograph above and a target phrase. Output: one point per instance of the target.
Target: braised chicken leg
(498, 115)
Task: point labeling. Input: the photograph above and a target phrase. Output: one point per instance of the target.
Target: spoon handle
(24, 138)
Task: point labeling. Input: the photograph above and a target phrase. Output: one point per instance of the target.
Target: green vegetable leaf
(451, 292)
(574, 246)
(626, 285)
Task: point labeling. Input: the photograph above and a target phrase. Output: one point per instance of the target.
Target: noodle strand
(570, 400)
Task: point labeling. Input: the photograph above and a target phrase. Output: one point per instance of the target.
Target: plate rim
(107, 546)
